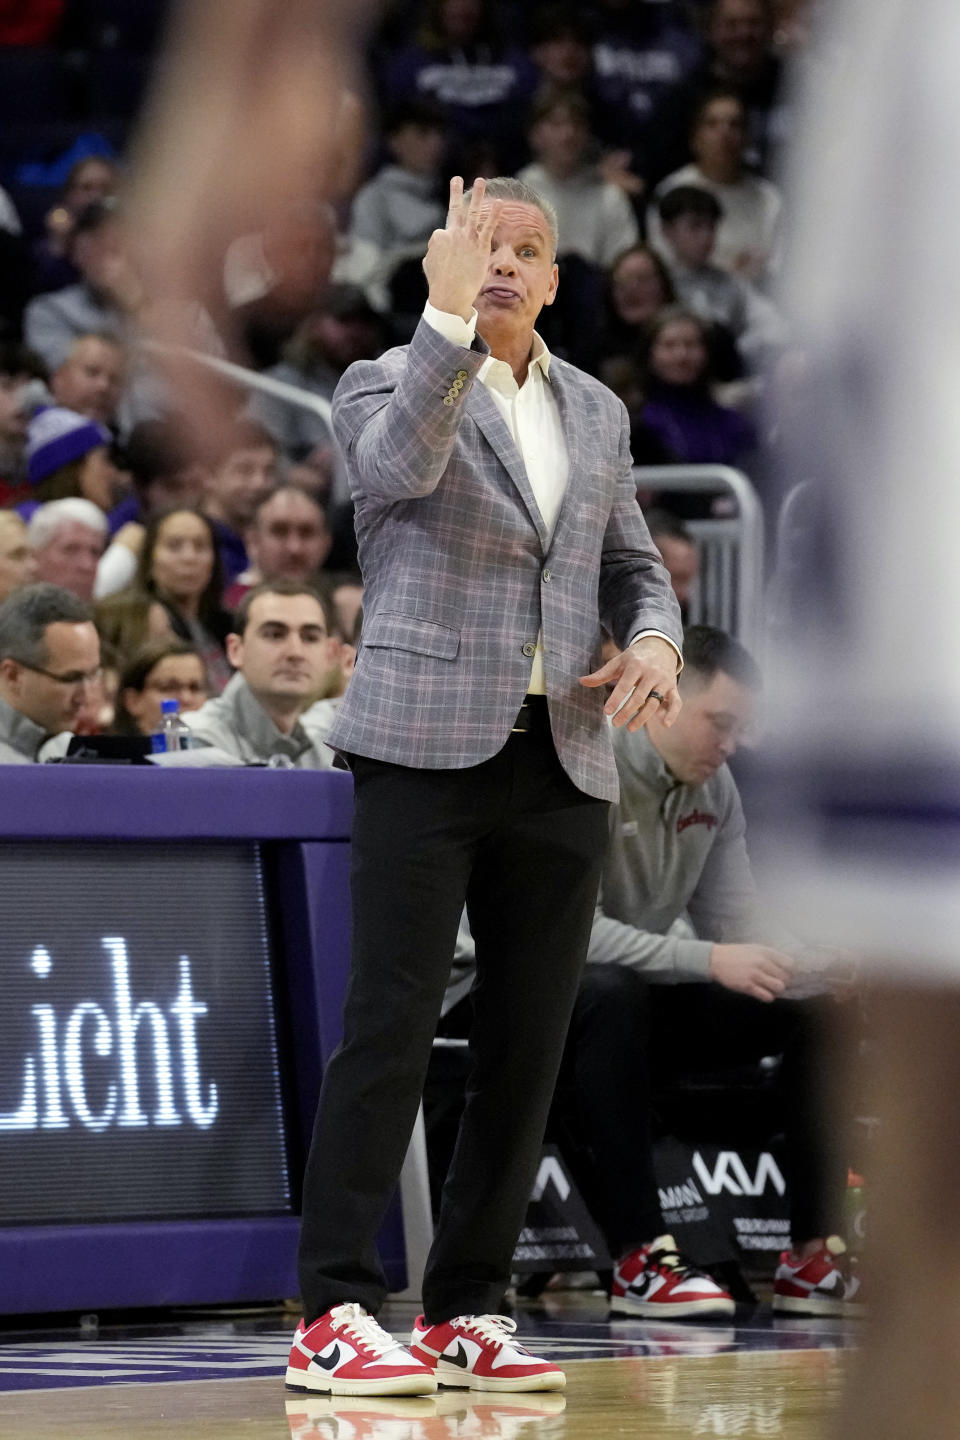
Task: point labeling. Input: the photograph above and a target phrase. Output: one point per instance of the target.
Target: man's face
(721, 132)
(560, 140)
(739, 32)
(179, 490)
(241, 481)
(71, 558)
(13, 421)
(53, 700)
(564, 59)
(91, 379)
(521, 276)
(17, 564)
(691, 238)
(97, 253)
(682, 562)
(285, 651)
(289, 538)
(714, 719)
(418, 148)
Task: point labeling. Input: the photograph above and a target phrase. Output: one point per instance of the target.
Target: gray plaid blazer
(459, 576)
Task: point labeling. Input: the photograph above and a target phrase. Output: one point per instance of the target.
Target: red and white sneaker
(821, 1284)
(479, 1352)
(658, 1284)
(346, 1352)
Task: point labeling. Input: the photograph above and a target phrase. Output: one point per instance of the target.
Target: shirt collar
(258, 728)
(497, 375)
(19, 731)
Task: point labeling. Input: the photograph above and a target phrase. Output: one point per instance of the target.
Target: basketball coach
(498, 531)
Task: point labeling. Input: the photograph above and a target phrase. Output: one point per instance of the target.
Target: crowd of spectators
(653, 129)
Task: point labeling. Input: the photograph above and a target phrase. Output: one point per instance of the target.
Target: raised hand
(458, 256)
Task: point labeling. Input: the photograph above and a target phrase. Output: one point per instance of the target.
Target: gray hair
(25, 615)
(47, 519)
(507, 187)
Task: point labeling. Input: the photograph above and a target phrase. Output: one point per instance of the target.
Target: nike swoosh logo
(461, 1358)
(328, 1362)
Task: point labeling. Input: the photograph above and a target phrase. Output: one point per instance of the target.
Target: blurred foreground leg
(906, 1381)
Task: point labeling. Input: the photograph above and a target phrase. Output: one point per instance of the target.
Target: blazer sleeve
(396, 419)
(635, 590)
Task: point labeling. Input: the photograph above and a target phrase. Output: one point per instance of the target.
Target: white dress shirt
(533, 419)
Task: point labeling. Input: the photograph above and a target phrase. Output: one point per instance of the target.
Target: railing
(729, 589)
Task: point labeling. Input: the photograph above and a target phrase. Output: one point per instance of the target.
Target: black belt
(533, 717)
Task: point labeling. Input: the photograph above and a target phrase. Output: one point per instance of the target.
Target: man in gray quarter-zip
(684, 980)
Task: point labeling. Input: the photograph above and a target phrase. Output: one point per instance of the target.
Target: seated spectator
(462, 62)
(176, 590)
(679, 405)
(108, 300)
(394, 214)
(625, 376)
(17, 564)
(748, 234)
(641, 54)
(165, 476)
(282, 650)
(68, 455)
(288, 539)
(638, 286)
(343, 328)
(655, 1006)
(67, 538)
(161, 670)
(240, 476)
(90, 380)
(740, 57)
(689, 217)
(345, 589)
(678, 551)
(21, 390)
(90, 180)
(95, 304)
(560, 40)
(49, 657)
(595, 218)
(678, 850)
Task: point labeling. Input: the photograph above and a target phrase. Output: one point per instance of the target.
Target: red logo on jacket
(696, 817)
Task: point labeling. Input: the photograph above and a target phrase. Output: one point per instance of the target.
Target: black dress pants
(523, 847)
(629, 1039)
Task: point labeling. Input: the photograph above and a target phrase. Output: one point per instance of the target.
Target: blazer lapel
(483, 409)
(569, 404)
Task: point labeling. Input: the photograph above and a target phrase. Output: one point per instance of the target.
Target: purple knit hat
(55, 436)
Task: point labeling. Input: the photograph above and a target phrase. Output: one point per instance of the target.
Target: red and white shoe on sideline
(479, 1352)
(656, 1283)
(820, 1284)
(346, 1352)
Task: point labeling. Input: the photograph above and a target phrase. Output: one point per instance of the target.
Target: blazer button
(462, 375)
(457, 385)
(448, 400)
(547, 574)
(529, 649)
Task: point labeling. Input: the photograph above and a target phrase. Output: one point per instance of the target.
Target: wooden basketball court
(216, 1378)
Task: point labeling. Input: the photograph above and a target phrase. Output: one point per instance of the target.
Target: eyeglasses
(74, 679)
